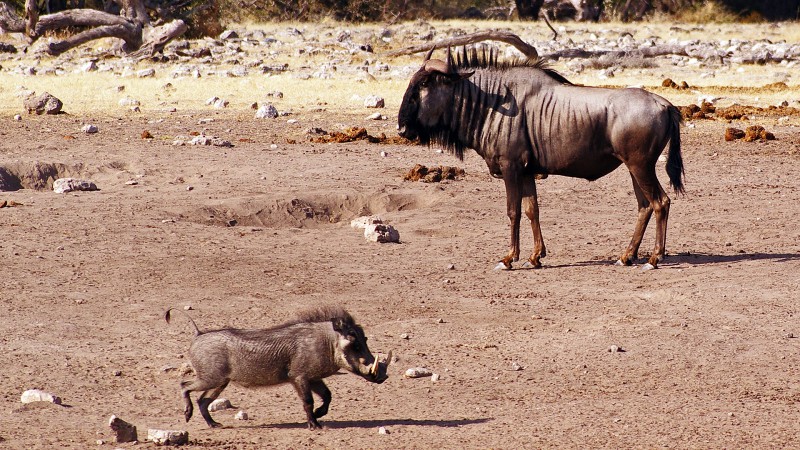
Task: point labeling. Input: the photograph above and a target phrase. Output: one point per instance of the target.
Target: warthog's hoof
(502, 266)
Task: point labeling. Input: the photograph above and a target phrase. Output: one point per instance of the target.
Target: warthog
(301, 352)
(527, 121)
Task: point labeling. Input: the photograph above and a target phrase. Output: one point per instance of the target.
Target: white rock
(383, 430)
(382, 233)
(123, 431)
(63, 185)
(266, 112)
(362, 222)
(90, 66)
(220, 404)
(241, 415)
(417, 372)
(17, 117)
(376, 116)
(435, 377)
(127, 101)
(89, 129)
(168, 437)
(373, 101)
(146, 73)
(35, 395)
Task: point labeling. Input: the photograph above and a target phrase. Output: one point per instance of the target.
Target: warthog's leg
(319, 388)
(530, 202)
(211, 391)
(303, 388)
(659, 202)
(645, 211)
(511, 177)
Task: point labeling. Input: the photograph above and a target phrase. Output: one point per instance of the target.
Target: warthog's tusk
(374, 369)
(389, 359)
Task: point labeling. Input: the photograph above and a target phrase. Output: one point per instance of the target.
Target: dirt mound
(38, 176)
(311, 211)
(433, 174)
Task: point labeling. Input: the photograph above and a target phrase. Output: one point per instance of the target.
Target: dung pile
(433, 174)
(751, 134)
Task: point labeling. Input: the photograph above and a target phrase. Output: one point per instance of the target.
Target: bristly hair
(487, 58)
(322, 314)
(469, 59)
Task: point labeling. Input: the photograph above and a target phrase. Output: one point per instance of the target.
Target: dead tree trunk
(490, 35)
(132, 26)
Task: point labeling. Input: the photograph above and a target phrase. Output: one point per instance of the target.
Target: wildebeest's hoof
(214, 424)
(621, 262)
(529, 265)
(502, 266)
(647, 266)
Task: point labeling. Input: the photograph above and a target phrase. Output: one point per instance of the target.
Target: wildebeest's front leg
(512, 180)
(530, 202)
(303, 388)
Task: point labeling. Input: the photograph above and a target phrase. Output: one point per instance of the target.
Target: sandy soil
(710, 351)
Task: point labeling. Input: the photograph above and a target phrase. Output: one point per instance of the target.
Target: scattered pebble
(616, 349)
(168, 437)
(515, 366)
(220, 404)
(35, 395)
(63, 185)
(373, 101)
(241, 415)
(404, 336)
(417, 372)
(435, 377)
(89, 129)
(123, 431)
(383, 430)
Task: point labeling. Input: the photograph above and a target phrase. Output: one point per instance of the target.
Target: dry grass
(98, 92)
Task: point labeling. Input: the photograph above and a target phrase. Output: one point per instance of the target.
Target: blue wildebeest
(527, 121)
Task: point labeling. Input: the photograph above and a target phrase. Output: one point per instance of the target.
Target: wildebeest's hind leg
(646, 178)
(530, 203)
(319, 388)
(513, 183)
(645, 211)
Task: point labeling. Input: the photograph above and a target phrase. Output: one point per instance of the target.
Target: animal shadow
(342, 424)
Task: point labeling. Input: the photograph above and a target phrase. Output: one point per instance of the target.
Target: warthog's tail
(674, 159)
(168, 316)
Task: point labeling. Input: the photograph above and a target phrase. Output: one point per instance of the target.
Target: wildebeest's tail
(168, 316)
(674, 159)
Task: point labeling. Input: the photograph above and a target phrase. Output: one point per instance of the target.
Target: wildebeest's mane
(472, 58)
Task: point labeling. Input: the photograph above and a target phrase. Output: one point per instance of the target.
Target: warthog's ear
(338, 325)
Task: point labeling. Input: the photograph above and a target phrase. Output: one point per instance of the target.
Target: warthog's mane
(321, 314)
(487, 58)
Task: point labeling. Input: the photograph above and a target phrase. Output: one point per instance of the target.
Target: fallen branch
(480, 36)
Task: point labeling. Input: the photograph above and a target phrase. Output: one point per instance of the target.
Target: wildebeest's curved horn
(430, 52)
(449, 59)
(436, 65)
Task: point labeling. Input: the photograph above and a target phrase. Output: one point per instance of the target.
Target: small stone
(127, 101)
(381, 233)
(373, 101)
(123, 431)
(267, 112)
(616, 349)
(188, 308)
(435, 377)
(417, 372)
(220, 404)
(241, 415)
(440, 320)
(383, 430)
(146, 73)
(17, 117)
(168, 437)
(189, 188)
(35, 395)
(376, 116)
(404, 336)
(790, 335)
(229, 34)
(384, 154)
(89, 129)
(451, 267)
(63, 185)
(42, 104)
(515, 366)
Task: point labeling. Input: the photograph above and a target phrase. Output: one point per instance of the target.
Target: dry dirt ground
(710, 358)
